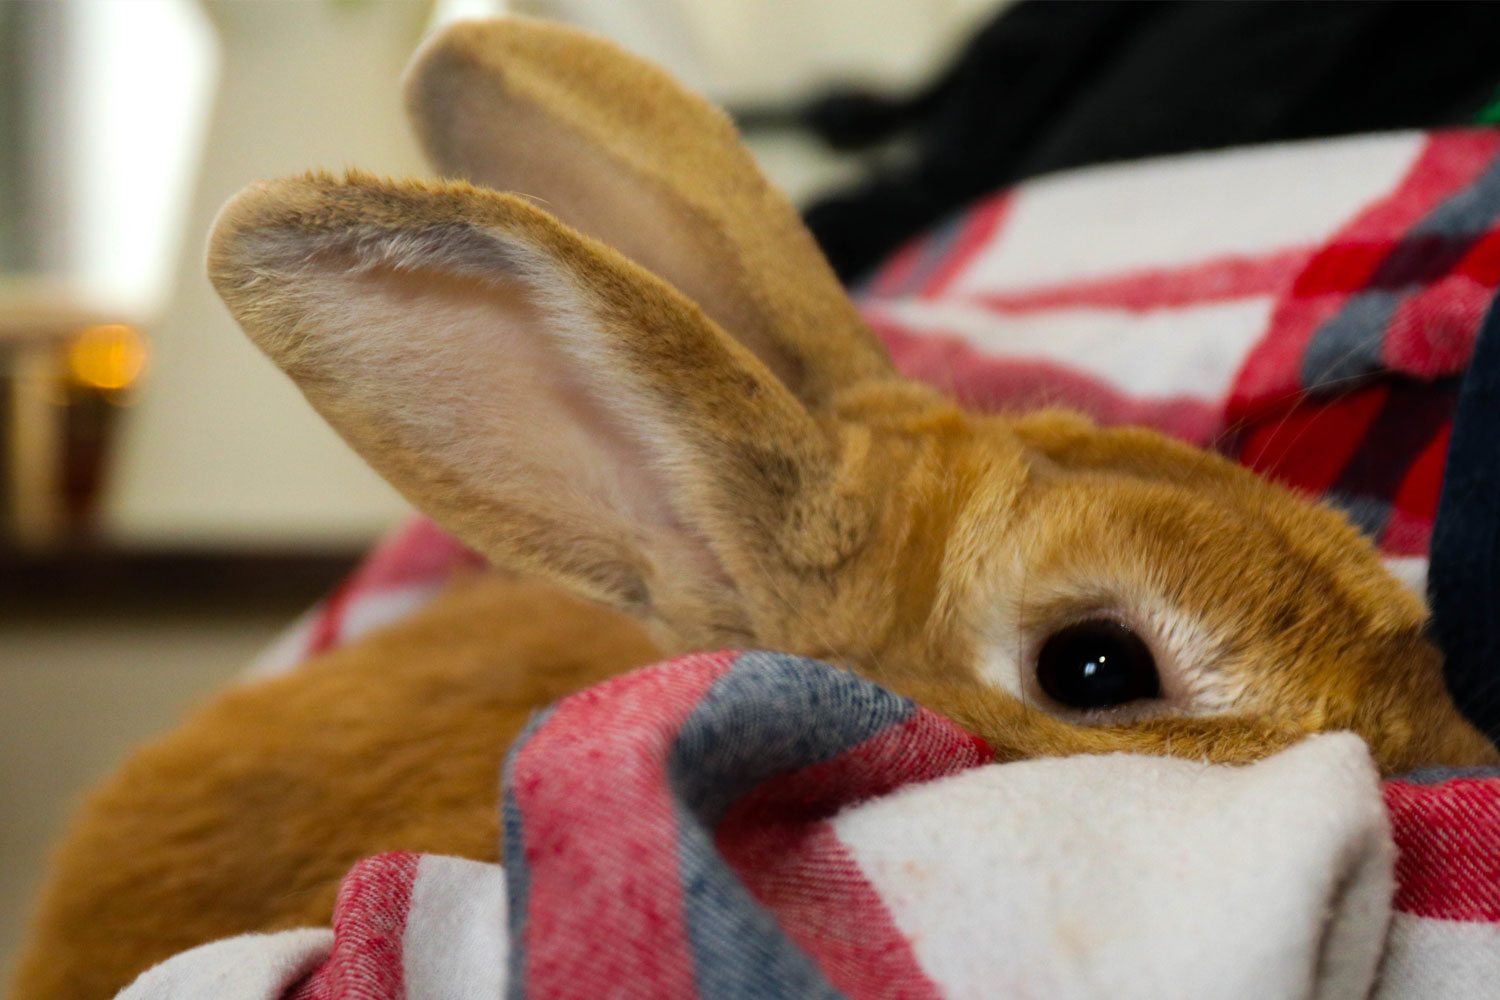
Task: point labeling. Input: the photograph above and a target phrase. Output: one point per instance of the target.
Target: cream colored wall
(220, 450)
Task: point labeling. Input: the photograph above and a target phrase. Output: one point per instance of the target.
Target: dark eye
(1096, 664)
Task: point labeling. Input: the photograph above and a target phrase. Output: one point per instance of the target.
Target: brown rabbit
(641, 383)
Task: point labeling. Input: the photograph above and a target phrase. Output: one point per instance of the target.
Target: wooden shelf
(191, 580)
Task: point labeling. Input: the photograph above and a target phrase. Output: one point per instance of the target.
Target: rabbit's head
(639, 379)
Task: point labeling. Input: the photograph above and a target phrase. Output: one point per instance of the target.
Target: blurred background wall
(190, 503)
(216, 450)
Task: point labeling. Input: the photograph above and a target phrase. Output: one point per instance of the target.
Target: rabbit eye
(1096, 664)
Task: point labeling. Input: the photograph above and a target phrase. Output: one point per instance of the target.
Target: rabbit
(637, 388)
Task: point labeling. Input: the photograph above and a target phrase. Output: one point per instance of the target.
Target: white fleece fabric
(1088, 877)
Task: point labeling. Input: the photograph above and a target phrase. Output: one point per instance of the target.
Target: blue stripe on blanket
(517, 875)
(1349, 345)
(770, 714)
(1438, 775)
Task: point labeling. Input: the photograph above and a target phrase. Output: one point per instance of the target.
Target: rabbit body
(653, 399)
(246, 817)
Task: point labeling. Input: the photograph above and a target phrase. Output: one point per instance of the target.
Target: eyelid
(1190, 657)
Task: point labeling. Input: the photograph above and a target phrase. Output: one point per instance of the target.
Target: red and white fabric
(744, 826)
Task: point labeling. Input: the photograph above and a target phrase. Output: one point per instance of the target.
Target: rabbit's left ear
(552, 404)
(618, 150)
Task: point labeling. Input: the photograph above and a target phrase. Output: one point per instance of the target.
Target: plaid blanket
(1315, 329)
(1306, 308)
(757, 825)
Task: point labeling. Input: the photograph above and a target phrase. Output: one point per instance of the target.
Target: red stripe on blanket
(789, 858)
(604, 899)
(822, 901)
(1272, 373)
(981, 224)
(328, 620)
(893, 277)
(1220, 280)
(1310, 445)
(1409, 531)
(1011, 385)
(369, 924)
(419, 553)
(920, 748)
(1448, 836)
(1433, 331)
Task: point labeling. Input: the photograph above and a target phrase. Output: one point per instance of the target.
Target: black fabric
(1052, 85)
(1463, 580)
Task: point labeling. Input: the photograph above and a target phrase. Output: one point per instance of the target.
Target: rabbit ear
(554, 405)
(619, 151)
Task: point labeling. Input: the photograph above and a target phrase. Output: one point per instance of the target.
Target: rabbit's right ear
(615, 148)
(551, 403)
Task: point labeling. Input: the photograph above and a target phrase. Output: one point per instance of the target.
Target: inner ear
(552, 404)
(621, 152)
(483, 419)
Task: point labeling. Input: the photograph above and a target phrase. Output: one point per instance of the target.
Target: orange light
(107, 357)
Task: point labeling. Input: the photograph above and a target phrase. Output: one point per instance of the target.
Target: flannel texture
(1307, 308)
(757, 825)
